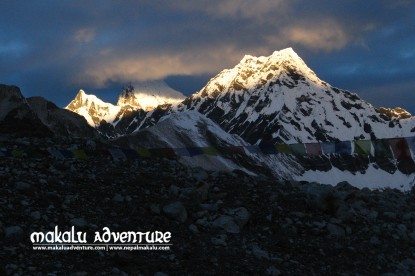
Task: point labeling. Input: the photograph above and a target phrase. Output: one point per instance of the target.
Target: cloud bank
(54, 48)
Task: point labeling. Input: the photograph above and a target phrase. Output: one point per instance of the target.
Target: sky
(54, 48)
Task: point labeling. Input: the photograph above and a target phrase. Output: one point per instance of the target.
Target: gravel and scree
(220, 223)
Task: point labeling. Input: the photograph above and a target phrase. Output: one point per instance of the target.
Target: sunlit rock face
(394, 113)
(132, 105)
(280, 99)
(262, 99)
(148, 95)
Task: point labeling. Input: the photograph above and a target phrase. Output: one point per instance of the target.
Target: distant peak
(81, 93)
(285, 59)
(11, 90)
(84, 99)
(288, 50)
(284, 55)
(149, 94)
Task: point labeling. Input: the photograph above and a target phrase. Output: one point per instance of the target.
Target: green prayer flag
(362, 147)
(210, 150)
(143, 152)
(283, 148)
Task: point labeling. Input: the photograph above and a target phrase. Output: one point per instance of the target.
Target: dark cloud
(54, 48)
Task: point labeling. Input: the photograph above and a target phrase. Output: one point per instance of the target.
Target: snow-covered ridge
(142, 96)
(279, 99)
(266, 99)
(148, 95)
(93, 109)
(253, 73)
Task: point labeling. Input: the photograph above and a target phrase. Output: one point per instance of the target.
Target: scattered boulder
(336, 230)
(240, 215)
(13, 232)
(219, 240)
(118, 198)
(176, 211)
(79, 222)
(35, 215)
(226, 223)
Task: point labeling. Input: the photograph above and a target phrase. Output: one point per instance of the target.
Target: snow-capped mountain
(264, 100)
(132, 105)
(150, 94)
(279, 99)
(110, 120)
(93, 109)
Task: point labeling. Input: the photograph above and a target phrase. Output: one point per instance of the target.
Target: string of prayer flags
(382, 149)
(268, 149)
(194, 151)
(257, 149)
(237, 150)
(411, 144)
(210, 151)
(362, 147)
(298, 149)
(343, 148)
(168, 153)
(143, 152)
(313, 149)
(181, 152)
(328, 148)
(156, 152)
(130, 153)
(400, 148)
(397, 148)
(283, 148)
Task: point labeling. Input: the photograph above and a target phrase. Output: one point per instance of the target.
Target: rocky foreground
(221, 223)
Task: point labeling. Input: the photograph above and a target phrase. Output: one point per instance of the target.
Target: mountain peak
(265, 67)
(286, 55)
(81, 93)
(127, 97)
(149, 94)
(82, 98)
(136, 98)
(252, 74)
(286, 52)
(280, 99)
(276, 57)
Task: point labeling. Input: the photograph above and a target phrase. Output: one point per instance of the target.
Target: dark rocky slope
(37, 117)
(233, 223)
